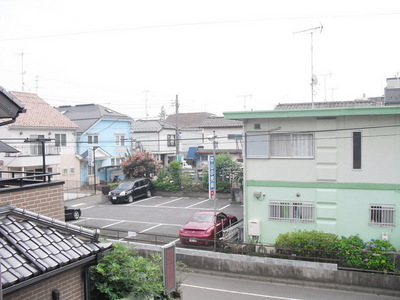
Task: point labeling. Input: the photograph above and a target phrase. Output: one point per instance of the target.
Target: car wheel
(130, 199)
(148, 193)
(76, 215)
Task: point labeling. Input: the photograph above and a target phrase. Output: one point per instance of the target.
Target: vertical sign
(169, 269)
(211, 177)
(90, 156)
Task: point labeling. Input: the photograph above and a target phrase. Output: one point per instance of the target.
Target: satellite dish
(314, 79)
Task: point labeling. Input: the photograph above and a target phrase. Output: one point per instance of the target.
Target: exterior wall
(222, 137)
(106, 130)
(69, 284)
(46, 199)
(340, 194)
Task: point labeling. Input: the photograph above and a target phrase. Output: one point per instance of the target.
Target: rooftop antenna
(325, 75)
(314, 79)
(22, 70)
(244, 100)
(146, 92)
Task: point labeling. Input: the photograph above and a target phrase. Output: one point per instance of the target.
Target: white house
(44, 139)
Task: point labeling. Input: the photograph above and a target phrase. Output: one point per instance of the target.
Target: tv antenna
(314, 79)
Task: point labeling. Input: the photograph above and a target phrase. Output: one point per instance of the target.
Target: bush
(120, 274)
(371, 255)
(307, 243)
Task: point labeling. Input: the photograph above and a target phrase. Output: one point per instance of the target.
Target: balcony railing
(20, 179)
(34, 150)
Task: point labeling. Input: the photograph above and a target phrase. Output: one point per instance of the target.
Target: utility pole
(176, 127)
(244, 99)
(146, 105)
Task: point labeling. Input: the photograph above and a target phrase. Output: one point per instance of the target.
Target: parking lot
(149, 218)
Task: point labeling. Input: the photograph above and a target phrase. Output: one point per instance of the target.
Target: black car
(72, 213)
(127, 191)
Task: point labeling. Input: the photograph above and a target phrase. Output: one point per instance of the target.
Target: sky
(222, 55)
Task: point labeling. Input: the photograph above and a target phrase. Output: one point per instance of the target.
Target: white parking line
(197, 203)
(78, 204)
(167, 202)
(130, 221)
(222, 208)
(150, 228)
(112, 224)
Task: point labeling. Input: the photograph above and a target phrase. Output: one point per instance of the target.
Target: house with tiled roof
(156, 137)
(331, 167)
(44, 138)
(42, 257)
(102, 141)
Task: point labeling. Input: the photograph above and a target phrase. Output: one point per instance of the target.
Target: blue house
(103, 139)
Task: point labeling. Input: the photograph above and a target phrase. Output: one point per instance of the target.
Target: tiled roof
(214, 121)
(328, 104)
(185, 120)
(150, 126)
(39, 113)
(86, 115)
(33, 244)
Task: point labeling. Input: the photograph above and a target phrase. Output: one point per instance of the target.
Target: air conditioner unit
(254, 227)
(385, 236)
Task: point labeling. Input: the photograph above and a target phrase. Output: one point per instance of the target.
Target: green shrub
(307, 243)
(121, 274)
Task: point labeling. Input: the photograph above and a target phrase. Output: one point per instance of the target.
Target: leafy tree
(225, 167)
(140, 165)
(122, 274)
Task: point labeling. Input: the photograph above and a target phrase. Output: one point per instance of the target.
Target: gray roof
(328, 104)
(150, 126)
(32, 245)
(86, 115)
(4, 148)
(10, 107)
(220, 122)
(188, 120)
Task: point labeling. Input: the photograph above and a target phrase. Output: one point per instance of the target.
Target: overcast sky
(219, 55)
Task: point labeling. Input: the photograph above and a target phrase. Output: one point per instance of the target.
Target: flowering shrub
(140, 165)
(372, 255)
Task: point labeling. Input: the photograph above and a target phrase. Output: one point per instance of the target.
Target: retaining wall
(264, 268)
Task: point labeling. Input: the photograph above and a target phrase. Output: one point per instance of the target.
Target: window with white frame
(116, 161)
(65, 171)
(60, 139)
(120, 139)
(292, 145)
(93, 139)
(72, 170)
(171, 140)
(382, 215)
(291, 211)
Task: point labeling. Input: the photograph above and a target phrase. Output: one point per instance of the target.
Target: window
(72, 170)
(356, 150)
(93, 139)
(382, 215)
(171, 140)
(292, 145)
(291, 211)
(60, 139)
(120, 139)
(65, 171)
(257, 144)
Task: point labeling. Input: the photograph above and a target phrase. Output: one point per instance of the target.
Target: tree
(140, 165)
(121, 274)
(225, 168)
(163, 114)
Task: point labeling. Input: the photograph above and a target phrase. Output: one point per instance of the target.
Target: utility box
(254, 227)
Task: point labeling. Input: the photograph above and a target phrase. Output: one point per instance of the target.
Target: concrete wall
(319, 274)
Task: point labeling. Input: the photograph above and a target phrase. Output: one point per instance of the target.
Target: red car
(200, 227)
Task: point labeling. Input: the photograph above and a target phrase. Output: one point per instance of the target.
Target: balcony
(32, 155)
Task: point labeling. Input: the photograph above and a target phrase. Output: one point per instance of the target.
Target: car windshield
(125, 185)
(202, 218)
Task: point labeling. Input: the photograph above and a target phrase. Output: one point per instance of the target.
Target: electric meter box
(254, 227)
